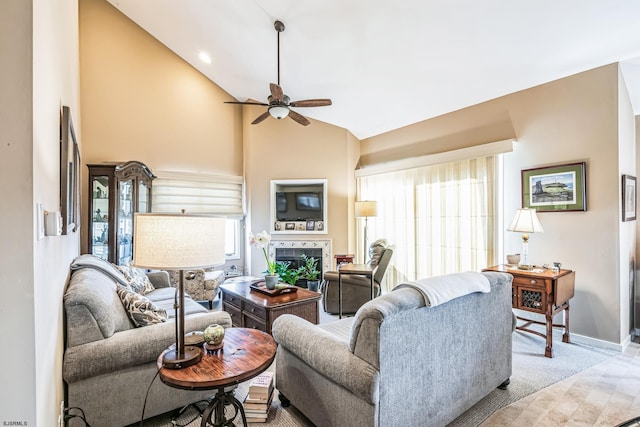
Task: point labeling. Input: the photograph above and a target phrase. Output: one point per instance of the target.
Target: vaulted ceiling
(388, 64)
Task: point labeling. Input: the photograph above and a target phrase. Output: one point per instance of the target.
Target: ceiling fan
(279, 103)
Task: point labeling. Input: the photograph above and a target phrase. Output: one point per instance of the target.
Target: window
(203, 194)
(440, 218)
(232, 239)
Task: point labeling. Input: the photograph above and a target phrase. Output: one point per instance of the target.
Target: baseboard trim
(594, 342)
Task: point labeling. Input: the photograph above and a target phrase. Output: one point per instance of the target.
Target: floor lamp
(178, 242)
(366, 209)
(526, 221)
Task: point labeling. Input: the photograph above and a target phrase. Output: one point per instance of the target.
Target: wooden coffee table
(246, 354)
(252, 309)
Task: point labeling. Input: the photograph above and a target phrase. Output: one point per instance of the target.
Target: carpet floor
(531, 372)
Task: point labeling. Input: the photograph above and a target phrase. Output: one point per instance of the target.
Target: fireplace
(290, 250)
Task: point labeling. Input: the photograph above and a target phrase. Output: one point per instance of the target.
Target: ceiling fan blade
(246, 103)
(260, 118)
(311, 103)
(299, 118)
(276, 92)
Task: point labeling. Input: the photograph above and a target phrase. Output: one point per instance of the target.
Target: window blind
(198, 194)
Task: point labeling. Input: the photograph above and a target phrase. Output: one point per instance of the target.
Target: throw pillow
(138, 281)
(141, 310)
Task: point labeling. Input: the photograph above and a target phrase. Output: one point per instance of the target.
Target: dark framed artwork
(628, 198)
(69, 174)
(311, 225)
(290, 226)
(560, 188)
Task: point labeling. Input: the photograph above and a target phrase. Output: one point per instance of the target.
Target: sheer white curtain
(441, 219)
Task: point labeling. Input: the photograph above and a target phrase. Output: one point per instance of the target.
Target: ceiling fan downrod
(279, 26)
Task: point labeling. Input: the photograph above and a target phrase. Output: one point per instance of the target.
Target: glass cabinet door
(143, 198)
(118, 191)
(125, 222)
(100, 217)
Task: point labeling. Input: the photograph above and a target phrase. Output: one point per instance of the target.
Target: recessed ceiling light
(204, 57)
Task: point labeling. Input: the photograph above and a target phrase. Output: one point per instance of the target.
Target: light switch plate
(40, 221)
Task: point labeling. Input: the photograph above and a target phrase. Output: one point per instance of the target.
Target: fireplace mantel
(324, 244)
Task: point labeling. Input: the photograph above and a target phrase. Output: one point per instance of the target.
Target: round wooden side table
(246, 354)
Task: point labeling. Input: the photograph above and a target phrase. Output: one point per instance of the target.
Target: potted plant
(261, 240)
(310, 272)
(287, 274)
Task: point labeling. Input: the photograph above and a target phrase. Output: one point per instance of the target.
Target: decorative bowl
(513, 259)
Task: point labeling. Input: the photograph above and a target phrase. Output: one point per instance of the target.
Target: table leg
(372, 293)
(548, 351)
(565, 336)
(216, 408)
(339, 295)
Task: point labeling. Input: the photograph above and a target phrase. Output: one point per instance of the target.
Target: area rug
(531, 372)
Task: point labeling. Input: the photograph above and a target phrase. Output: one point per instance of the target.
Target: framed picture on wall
(628, 198)
(69, 174)
(560, 188)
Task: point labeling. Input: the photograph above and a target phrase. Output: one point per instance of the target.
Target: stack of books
(258, 400)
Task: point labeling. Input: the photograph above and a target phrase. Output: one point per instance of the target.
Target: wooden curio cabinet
(116, 192)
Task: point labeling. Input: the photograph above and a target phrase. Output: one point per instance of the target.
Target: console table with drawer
(251, 309)
(547, 292)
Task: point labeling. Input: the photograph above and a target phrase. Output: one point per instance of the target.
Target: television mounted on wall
(308, 202)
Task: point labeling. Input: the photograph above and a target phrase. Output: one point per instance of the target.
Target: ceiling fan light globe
(279, 111)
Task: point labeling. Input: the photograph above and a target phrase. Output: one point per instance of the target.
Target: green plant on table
(287, 274)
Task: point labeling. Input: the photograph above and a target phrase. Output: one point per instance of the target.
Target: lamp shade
(526, 221)
(366, 208)
(178, 242)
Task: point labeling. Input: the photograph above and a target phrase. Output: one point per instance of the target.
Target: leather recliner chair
(356, 289)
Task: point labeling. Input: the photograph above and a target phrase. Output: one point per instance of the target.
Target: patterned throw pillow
(138, 281)
(141, 310)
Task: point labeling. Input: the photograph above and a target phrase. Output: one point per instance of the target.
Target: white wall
(40, 61)
(16, 188)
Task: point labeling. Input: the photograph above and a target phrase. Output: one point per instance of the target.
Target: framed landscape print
(559, 188)
(628, 198)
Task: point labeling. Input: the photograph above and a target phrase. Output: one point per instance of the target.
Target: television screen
(308, 201)
(281, 202)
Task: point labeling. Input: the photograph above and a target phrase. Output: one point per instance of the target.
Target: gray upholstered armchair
(356, 289)
(200, 284)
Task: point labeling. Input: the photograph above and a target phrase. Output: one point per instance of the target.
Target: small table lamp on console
(178, 242)
(525, 222)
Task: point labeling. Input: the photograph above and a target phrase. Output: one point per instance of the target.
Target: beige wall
(283, 149)
(570, 120)
(40, 59)
(140, 101)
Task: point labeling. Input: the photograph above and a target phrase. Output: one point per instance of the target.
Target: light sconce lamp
(366, 209)
(279, 111)
(178, 242)
(525, 222)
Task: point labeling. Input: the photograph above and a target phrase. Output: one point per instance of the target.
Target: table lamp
(178, 242)
(525, 222)
(366, 209)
